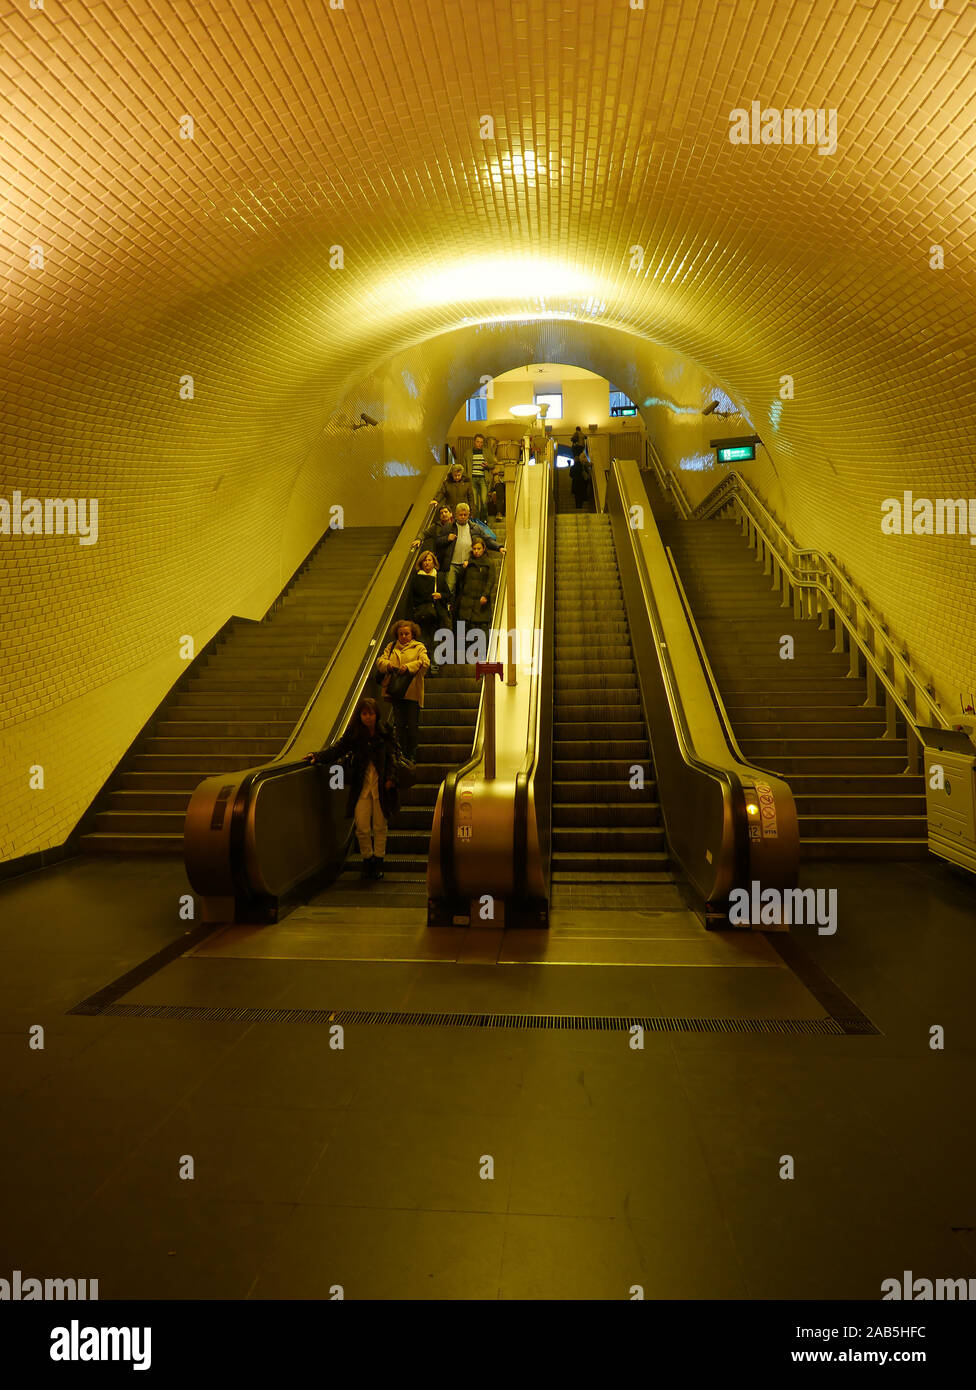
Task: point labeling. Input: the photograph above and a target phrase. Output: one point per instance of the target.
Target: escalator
(241, 701)
(608, 841)
(447, 727)
(619, 783)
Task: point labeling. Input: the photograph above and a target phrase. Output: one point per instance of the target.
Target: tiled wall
(363, 128)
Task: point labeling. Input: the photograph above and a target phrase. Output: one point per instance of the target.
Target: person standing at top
(496, 490)
(478, 462)
(578, 470)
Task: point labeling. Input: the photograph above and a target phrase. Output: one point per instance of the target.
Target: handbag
(398, 685)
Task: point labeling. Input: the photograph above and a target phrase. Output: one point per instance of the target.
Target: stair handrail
(821, 574)
(668, 482)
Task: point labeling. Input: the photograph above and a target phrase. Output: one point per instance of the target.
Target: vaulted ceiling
(608, 128)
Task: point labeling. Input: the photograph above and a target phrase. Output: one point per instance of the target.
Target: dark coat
(478, 578)
(579, 473)
(451, 493)
(447, 546)
(436, 539)
(354, 753)
(422, 607)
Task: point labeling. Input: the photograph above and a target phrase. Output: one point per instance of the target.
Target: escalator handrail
(689, 752)
(280, 766)
(717, 700)
(450, 783)
(541, 672)
(738, 774)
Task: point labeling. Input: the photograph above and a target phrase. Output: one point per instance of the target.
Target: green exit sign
(737, 453)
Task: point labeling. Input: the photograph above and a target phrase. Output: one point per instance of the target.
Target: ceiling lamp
(524, 412)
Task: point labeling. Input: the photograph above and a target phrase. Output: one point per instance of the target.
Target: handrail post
(510, 618)
(488, 670)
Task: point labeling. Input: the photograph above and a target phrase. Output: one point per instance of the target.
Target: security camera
(710, 408)
(368, 419)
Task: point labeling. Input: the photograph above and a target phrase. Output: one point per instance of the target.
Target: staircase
(804, 718)
(608, 843)
(239, 707)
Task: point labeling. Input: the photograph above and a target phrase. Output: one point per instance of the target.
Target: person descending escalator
(579, 470)
(496, 491)
(476, 589)
(369, 755)
(402, 668)
(440, 537)
(478, 461)
(429, 602)
(465, 532)
(455, 488)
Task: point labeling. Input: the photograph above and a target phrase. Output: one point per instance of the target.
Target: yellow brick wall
(364, 128)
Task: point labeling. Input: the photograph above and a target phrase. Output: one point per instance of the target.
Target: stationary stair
(805, 718)
(238, 709)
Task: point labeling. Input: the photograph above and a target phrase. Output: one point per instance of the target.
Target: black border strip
(588, 1023)
(827, 993)
(103, 999)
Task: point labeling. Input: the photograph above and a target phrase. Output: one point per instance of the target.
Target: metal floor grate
(586, 1023)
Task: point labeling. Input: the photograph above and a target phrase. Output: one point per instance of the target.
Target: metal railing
(814, 586)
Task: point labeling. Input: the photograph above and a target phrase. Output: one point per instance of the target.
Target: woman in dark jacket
(476, 589)
(369, 756)
(428, 602)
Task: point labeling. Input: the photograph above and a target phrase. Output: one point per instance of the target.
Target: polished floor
(464, 1161)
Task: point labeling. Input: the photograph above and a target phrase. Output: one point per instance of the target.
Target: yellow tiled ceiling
(361, 127)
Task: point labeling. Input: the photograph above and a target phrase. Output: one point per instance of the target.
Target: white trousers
(369, 819)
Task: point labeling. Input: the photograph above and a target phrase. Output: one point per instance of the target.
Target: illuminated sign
(737, 453)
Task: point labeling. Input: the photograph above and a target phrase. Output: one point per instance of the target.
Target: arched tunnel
(670, 303)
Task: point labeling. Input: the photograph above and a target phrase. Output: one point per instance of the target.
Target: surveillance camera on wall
(364, 420)
(710, 408)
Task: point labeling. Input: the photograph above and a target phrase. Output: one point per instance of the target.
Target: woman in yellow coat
(405, 653)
